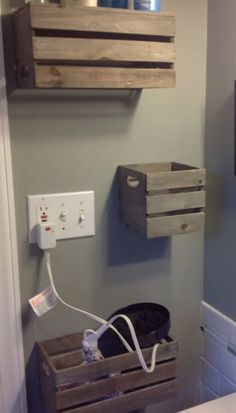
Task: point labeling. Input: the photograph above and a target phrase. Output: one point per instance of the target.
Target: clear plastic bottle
(148, 5)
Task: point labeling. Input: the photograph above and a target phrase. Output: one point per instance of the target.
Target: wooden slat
(119, 383)
(176, 179)
(56, 76)
(63, 344)
(175, 201)
(73, 358)
(104, 20)
(53, 48)
(132, 401)
(109, 365)
(174, 224)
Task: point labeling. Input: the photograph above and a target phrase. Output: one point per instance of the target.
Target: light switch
(72, 213)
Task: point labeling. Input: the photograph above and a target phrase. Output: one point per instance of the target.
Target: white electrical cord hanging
(106, 324)
(94, 317)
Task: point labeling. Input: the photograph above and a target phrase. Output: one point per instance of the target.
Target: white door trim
(12, 372)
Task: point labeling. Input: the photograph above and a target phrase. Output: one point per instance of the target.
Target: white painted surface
(218, 361)
(12, 376)
(223, 405)
(72, 213)
(210, 376)
(218, 323)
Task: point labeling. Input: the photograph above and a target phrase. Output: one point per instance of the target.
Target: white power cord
(108, 324)
(94, 335)
(90, 315)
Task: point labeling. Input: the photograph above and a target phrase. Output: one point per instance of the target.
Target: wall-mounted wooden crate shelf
(71, 386)
(162, 199)
(89, 47)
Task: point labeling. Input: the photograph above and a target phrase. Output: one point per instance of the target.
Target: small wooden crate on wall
(162, 199)
(72, 386)
(93, 47)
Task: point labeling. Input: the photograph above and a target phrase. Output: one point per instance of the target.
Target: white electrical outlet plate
(72, 213)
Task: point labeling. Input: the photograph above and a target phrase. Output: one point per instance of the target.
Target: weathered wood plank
(63, 344)
(176, 179)
(175, 201)
(72, 358)
(56, 76)
(105, 20)
(132, 401)
(109, 365)
(53, 48)
(174, 224)
(128, 381)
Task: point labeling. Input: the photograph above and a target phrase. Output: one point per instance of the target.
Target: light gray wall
(70, 141)
(220, 263)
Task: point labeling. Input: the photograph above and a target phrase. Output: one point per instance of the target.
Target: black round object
(151, 323)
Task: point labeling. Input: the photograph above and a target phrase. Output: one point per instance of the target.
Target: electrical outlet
(43, 213)
(72, 213)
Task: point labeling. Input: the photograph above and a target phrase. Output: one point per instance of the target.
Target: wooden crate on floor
(93, 47)
(72, 386)
(162, 199)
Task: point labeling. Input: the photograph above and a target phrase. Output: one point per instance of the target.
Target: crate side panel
(109, 365)
(132, 187)
(132, 401)
(134, 217)
(125, 381)
(47, 381)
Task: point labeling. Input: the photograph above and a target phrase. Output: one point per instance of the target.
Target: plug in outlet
(72, 213)
(38, 212)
